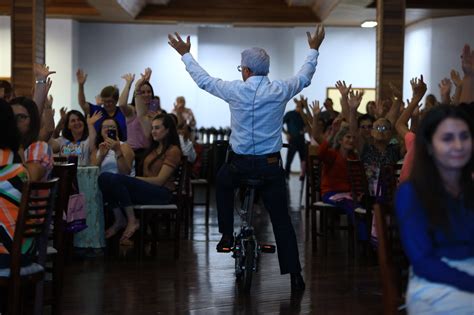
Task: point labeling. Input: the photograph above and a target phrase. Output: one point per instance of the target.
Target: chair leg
(143, 227)
(208, 195)
(324, 215)
(176, 237)
(314, 228)
(39, 292)
(14, 298)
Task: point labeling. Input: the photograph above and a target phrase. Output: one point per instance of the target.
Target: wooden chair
(148, 214)
(33, 223)
(325, 210)
(393, 263)
(62, 242)
(204, 181)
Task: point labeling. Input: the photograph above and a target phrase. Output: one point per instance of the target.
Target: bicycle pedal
(265, 248)
(224, 250)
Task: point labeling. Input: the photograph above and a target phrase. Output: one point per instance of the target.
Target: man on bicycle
(257, 107)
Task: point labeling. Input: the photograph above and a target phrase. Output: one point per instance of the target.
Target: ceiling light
(369, 24)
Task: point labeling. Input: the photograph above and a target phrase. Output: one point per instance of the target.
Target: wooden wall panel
(28, 42)
(390, 45)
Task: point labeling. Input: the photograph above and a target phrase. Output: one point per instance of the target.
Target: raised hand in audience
(47, 120)
(354, 102)
(418, 87)
(457, 80)
(467, 58)
(178, 44)
(43, 84)
(60, 125)
(445, 90)
(315, 39)
(344, 90)
(81, 77)
(91, 120)
(317, 132)
(140, 105)
(126, 109)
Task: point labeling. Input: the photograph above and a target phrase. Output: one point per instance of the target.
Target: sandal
(111, 231)
(128, 233)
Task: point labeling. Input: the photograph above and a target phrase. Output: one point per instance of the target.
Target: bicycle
(246, 249)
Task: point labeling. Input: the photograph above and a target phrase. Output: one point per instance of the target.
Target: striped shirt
(12, 177)
(40, 152)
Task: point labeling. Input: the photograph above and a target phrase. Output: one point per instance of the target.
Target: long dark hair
(99, 139)
(152, 92)
(425, 175)
(67, 133)
(9, 134)
(35, 121)
(171, 138)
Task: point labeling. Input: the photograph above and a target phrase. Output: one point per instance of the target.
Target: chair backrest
(66, 173)
(357, 179)
(393, 262)
(387, 184)
(181, 175)
(33, 222)
(314, 168)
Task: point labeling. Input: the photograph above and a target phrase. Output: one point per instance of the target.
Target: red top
(335, 176)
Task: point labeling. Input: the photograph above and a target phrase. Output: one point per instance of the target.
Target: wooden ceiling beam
(252, 12)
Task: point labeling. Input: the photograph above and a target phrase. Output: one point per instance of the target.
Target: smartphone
(112, 134)
(154, 105)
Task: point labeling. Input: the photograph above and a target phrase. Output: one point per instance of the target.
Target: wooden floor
(202, 281)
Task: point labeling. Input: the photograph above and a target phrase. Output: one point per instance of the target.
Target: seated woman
(156, 185)
(36, 155)
(14, 175)
(435, 212)
(74, 141)
(335, 185)
(112, 156)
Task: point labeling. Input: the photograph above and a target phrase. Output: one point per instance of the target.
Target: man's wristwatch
(43, 81)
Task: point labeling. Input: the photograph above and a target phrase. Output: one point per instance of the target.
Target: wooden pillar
(390, 45)
(28, 42)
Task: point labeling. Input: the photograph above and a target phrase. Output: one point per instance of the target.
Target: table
(94, 235)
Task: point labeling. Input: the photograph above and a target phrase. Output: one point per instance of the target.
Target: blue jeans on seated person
(120, 191)
(348, 205)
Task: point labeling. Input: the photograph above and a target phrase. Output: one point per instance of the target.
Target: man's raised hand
(354, 99)
(315, 40)
(178, 44)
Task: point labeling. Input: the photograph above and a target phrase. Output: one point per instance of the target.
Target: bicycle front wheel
(248, 264)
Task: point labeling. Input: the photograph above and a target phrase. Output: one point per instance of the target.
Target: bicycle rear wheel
(248, 264)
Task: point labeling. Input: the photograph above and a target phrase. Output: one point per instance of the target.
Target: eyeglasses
(366, 127)
(382, 128)
(19, 117)
(240, 68)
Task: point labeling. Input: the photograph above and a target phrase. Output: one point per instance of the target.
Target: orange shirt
(335, 176)
(172, 158)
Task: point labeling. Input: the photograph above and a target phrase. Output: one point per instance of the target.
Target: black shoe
(225, 244)
(297, 282)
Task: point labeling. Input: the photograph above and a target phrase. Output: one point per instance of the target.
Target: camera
(112, 134)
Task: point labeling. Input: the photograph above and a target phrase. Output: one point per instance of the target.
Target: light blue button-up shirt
(256, 105)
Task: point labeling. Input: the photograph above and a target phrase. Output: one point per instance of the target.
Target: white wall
(5, 47)
(60, 50)
(107, 51)
(433, 48)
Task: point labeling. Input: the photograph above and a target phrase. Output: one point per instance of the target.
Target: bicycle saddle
(252, 182)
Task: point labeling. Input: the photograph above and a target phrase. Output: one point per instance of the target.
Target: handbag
(76, 211)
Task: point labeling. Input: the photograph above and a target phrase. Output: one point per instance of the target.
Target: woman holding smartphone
(115, 157)
(109, 152)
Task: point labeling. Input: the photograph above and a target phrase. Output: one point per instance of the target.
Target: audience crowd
(138, 146)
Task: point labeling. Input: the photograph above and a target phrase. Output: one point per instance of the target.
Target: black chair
(33, 223)
(149, 214)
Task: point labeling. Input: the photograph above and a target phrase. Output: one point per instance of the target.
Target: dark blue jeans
(120, 191)
(274, 195)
